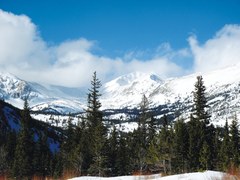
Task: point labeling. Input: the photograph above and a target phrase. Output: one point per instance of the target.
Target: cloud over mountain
(220, 51)
(71, 63)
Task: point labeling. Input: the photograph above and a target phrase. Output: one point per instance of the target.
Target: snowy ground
(207, 175)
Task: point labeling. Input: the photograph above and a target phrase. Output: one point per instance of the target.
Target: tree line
(90, 148)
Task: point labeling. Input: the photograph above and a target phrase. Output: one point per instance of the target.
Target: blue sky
(128, 31)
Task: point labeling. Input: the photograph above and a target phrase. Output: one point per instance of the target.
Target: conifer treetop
(200, 101)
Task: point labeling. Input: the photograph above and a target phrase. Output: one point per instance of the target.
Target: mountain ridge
(173, 94)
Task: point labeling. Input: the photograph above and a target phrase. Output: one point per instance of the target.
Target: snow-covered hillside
(13, 88)
(45, 98)
(166, 95)
(10, 118)
(175, 94)
(127, 90)
(207, 175)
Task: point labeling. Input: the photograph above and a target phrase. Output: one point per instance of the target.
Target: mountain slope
(45, 98)
(127, 90)
(10, 118)
(170, 96)
(175, 94)
(12, 87)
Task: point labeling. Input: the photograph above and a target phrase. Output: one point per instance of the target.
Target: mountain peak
(7, 75)
(128, 89)
(130, 78)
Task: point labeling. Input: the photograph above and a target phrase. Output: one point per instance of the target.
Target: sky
(62, 42)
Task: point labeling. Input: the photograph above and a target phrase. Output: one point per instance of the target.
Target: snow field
(207, 175)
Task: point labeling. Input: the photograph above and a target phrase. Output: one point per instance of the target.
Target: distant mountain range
(45, 98)
(167, 96)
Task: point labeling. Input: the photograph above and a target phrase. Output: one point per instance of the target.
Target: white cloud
(220, 51)
(20, 44)
(24, 53)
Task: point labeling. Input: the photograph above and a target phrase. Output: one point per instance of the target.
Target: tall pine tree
(234, 142)
(166, 144)
(142, 134)
(194, 144)
(22, 167)
(203, 133)
(97, 130)
(200, 101)
(112, 151)
(180, 146)
(225, 151)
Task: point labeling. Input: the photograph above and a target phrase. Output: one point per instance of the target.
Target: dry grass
(68, 174)
(233, 173)
(3, 177)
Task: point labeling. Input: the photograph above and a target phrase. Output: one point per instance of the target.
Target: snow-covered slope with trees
(10, 118)
(169, 96)
(174, 95)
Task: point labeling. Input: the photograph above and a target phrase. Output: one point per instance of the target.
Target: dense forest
(90, 148)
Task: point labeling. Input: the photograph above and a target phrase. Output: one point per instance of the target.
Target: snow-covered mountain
(170, 96)
(12, 87)
(175, 94)
(45, 98)
(127, 91)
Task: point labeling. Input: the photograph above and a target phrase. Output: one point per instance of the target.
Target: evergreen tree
(22, 167)
(203, 133)
(200, 101)
(113, 146)
(94, 115)
(151, 129)
(56, 165)
(3, 126)
(194, 144)
(68, 145)
(10, 148)
(153, 157)
(225, 151)
(134, 142)
(99, 159)
(84, 147)
(42, 156)
(125, 154)
(79, 151)
(97, 131)
(142, 139)
(200, 112)
(205, 156)
(181, 146)
(210, 134)
(217, 147)
(3, 160)
(152, 151)
(166, 144)
(234, 142)
(207, 146)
